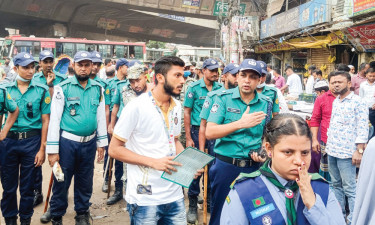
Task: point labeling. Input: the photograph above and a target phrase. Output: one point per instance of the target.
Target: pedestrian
(310, 80)
(279, 80)
(282, 191)
(102, 71)
(352, 70)
(193, 103)
(318, 75)
(10, 73)
(270, 70)
(236, 121)
(146, 138)
(367, 93)
(347, 135)
(76, 133)
(268, 91)
(359, 78)
(24, 147)
(293, 84)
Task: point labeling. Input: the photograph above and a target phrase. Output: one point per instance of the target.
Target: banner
(363, 6)
(224, 8)
(194, 4)
(364, 35)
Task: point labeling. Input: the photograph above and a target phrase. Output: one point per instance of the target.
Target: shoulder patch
(9, 97)
(47, 100)
(107, 92)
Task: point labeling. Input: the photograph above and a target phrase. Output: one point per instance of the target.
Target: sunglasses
(29, 107)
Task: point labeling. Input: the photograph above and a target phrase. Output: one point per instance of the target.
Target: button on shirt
(32, 104)
(357, 80)
(7, 104)
(348, 126)
(195, 97)
(228, 108)
(77, 110)
(321, 115)
(40, 78)
(294, 85)
(366, 92)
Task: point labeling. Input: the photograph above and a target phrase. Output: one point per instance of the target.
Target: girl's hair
(286, 124)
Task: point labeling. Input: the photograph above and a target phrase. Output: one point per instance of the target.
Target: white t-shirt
(310, 85)
(294, 85)
(142, 127)
(102, 73)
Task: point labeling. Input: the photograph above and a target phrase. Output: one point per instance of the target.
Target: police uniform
(22, 144)
(268, 91)
(194, 99)
(232, 151)
(253, 199)
(96, 58)
(77, 129)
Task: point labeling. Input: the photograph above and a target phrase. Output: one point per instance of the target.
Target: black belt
(195, 127)
(237, 162)
(23, 135)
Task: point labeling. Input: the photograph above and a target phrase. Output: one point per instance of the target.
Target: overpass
(176, 21)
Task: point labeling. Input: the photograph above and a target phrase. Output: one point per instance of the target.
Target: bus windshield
(31, 47)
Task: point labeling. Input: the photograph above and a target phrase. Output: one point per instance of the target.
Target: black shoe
(83, 219)
(105, 187)
(25, 221)
(192, 214)
(57, 221)
(38, 198)
(46, 217)
(117, 196)
(11, 220)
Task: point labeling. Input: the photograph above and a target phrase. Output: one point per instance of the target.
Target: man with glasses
(194, 99)
(24, 147)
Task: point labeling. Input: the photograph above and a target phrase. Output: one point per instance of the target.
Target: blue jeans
(343, 182)
(168, 214)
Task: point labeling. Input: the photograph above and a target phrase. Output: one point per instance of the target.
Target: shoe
(11, 220)
(105, 187)
(25, 221)
(83, 219)
(38, 198)
(192, 214)
(46, 217)
(117, 196)
(57, 221)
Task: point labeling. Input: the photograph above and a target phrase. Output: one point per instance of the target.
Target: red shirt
(279, 81)
(322, 114)
(356, 83)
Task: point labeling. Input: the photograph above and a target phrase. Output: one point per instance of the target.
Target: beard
(341, 92)
(81, 78)
(141, 91)
(231, 85)
(169, 89)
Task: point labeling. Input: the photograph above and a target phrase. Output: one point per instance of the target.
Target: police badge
(214, 108)
(206, 104)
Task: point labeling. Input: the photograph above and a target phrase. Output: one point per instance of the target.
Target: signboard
(363, 6)
(308, 14)
(107, 24)
(224, 8)
(364, 35)
(47, 44)
(172, 17)
(248, 25)
(194, 4)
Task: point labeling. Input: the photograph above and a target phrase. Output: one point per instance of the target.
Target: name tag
(73, 99)
(263, 210)
(202, 97)
(233, 110)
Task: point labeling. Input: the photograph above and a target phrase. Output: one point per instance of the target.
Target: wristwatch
(360, 151)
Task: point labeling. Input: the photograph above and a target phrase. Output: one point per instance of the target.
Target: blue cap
(263, 65)
(96, 57)
(81, 56)
(133, 62)
(187, 73)
(122, 62)
(231, 68)
(23, 59)
(210, 64)
(45, 54)
(251, 64)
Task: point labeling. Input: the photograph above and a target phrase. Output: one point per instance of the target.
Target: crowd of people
(264, 155)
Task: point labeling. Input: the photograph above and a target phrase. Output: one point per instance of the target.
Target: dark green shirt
(40, 78)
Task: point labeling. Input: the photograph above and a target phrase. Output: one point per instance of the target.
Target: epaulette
(317, 176)
(212, 93)
(224, 92)
(60, 75)
(245, 176)
(37, 74)
(64, 82)
(271, 88)
(121, 81)
(195, 83)
(42, 86)
(93, 82)
(263, 97)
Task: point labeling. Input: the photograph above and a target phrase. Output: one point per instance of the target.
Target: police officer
(194, 99)
(236, 121)
(269, 195)
(7, 104)
(268, 91)
(24, 147)
(76, 133)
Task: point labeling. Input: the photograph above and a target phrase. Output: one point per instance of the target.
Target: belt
(195, 127)
(23, 135)
(77, 138)
(237, 162)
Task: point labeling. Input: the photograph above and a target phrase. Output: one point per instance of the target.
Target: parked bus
(197, 54)
(69, 46)
(152, 54)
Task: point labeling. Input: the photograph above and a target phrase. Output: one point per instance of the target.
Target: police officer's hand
(250, 120)
(257, 157)
(304, 183)
(315, 145)
(39, 158)
(110, 129)
(2, 136)
(189, 142)
(52, 158)
(165, 164)
(100, 154)
(50, 78)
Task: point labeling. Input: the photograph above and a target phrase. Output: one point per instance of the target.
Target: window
(138, 52)
(105, 51)
(69, 49)
(5, 49)
(90, 47)
(121, 51)
(31, 47)
(80, 47)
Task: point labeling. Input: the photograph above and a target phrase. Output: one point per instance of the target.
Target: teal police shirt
(40, 78)
(208, 103)
(7, 104)
(271, 92)
(105, 86)
(32, 104)
(195, 97)
(118, 98)
(228, 107)
(112, 82)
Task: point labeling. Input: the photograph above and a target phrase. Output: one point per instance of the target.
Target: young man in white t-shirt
(293, 83)
(146, 138)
